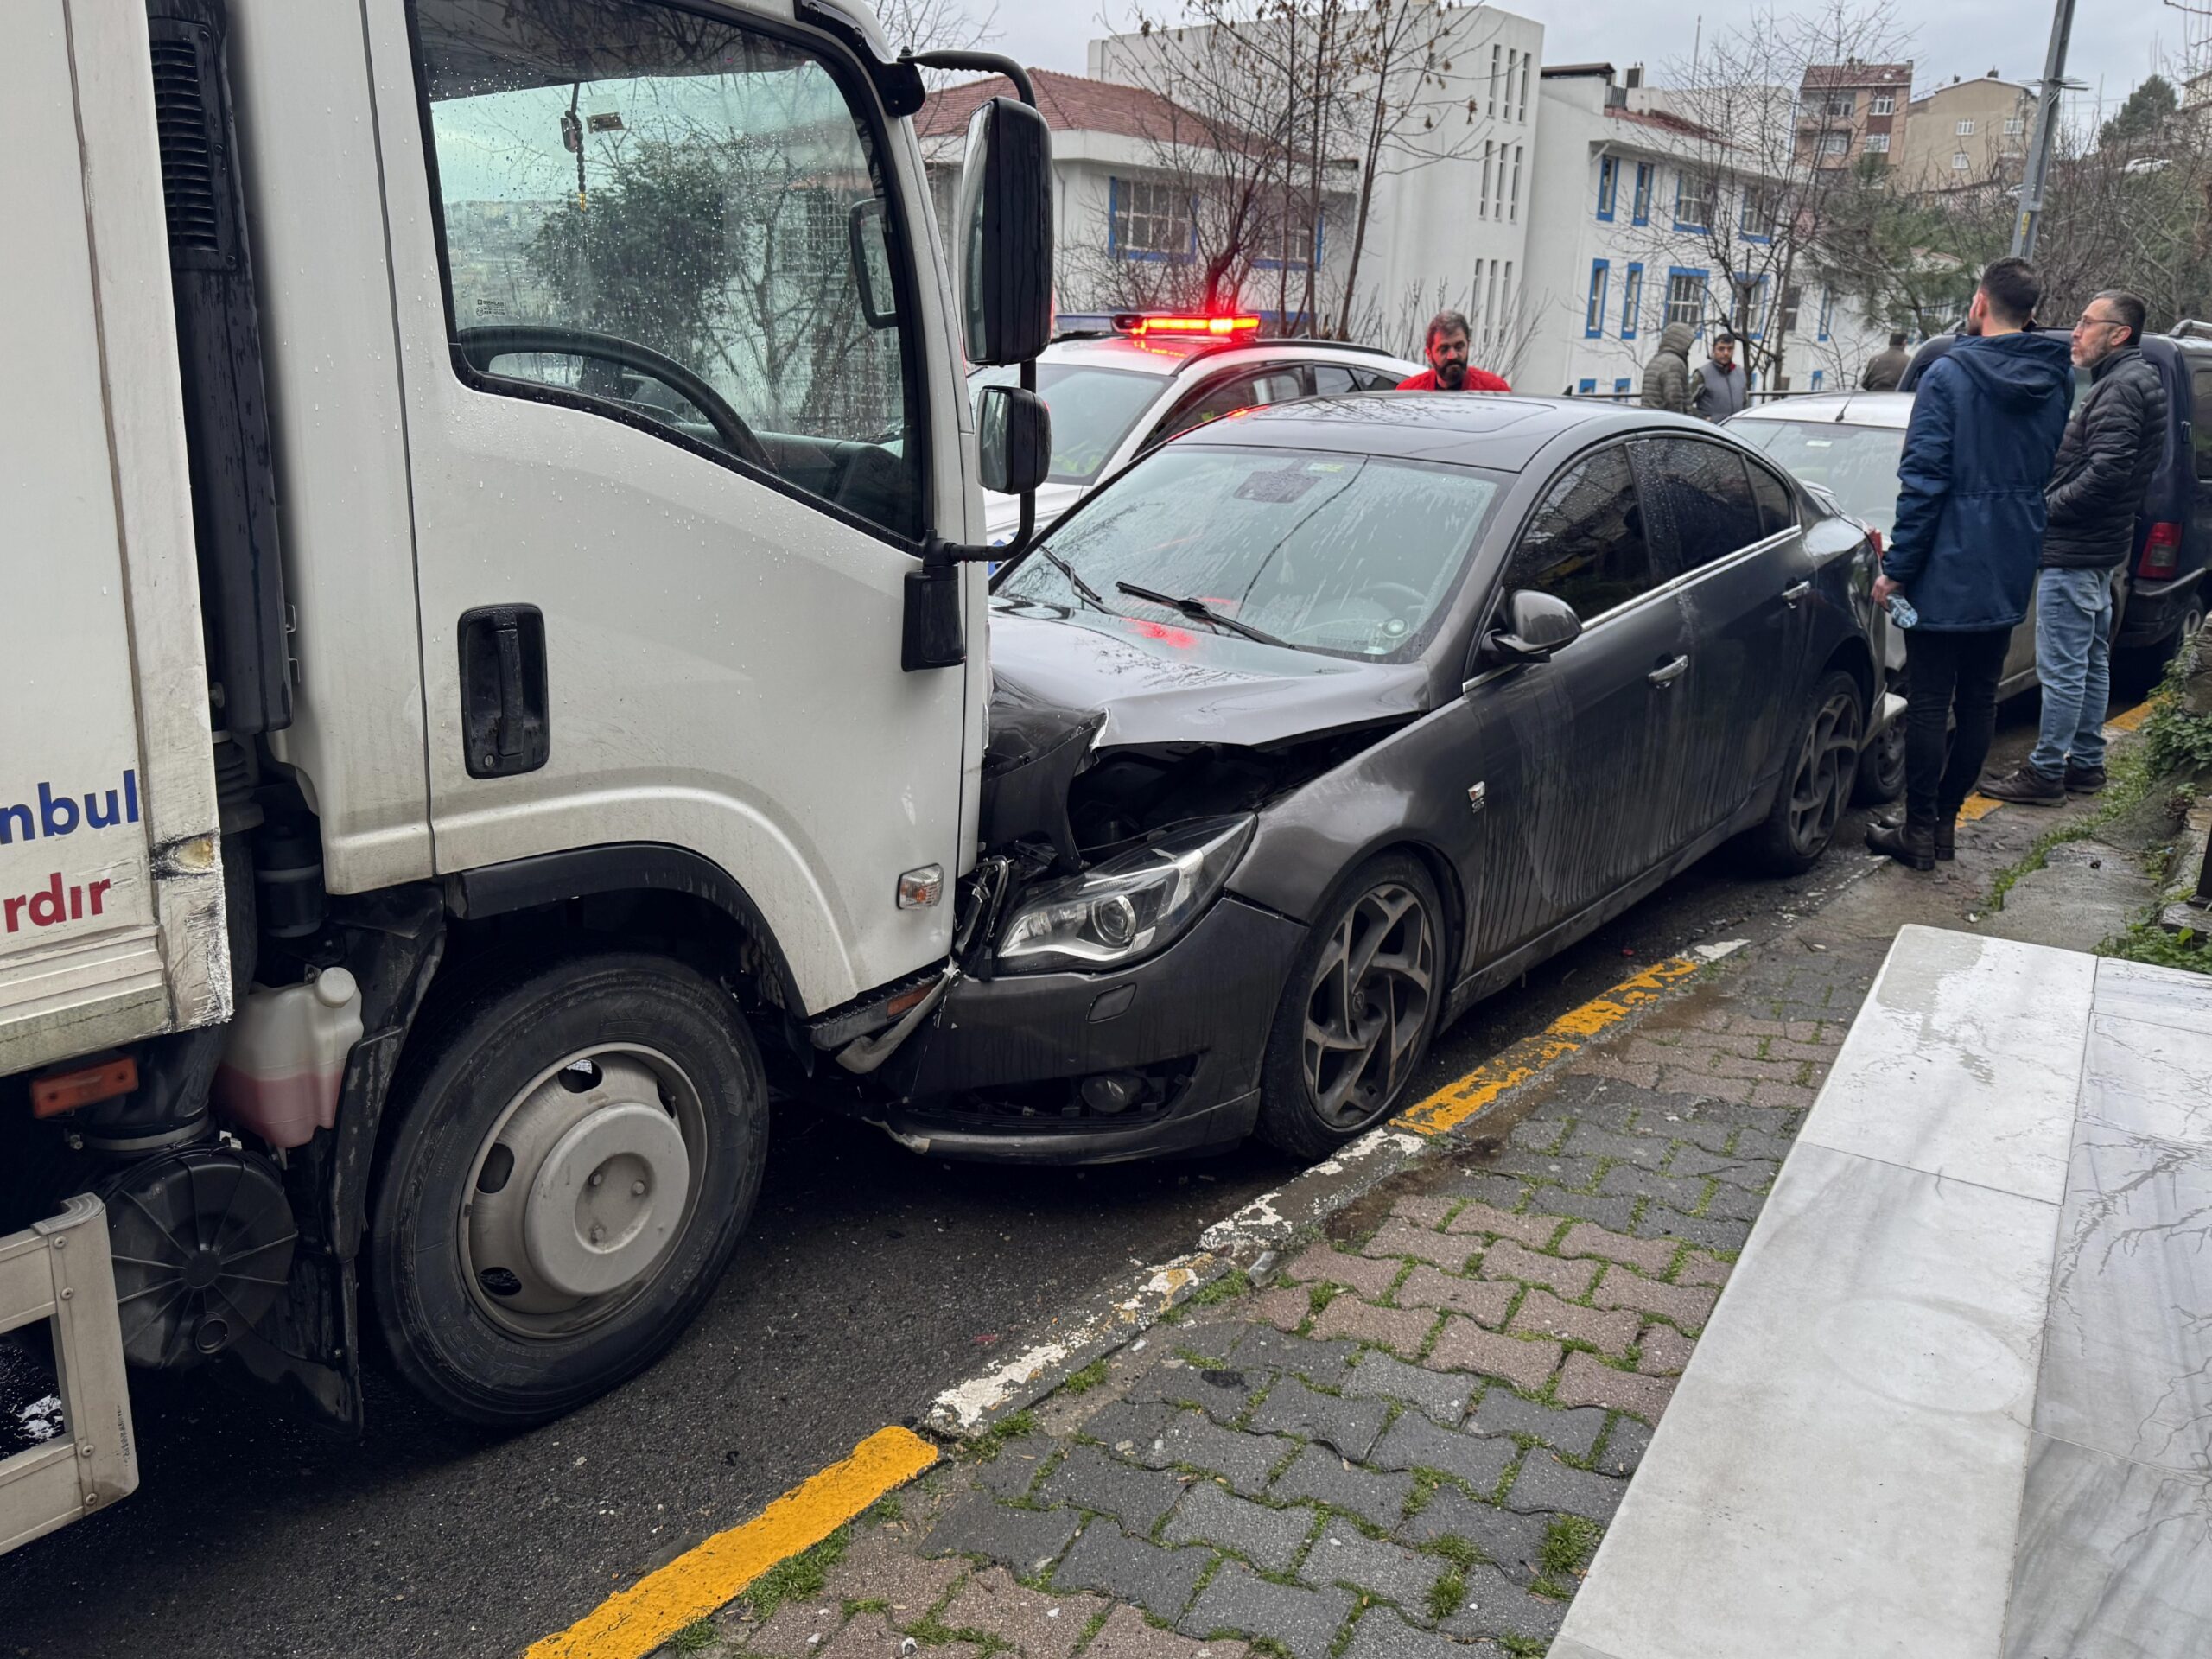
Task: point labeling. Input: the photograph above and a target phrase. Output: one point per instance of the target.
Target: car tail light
(1874, 540)
(1139, 325)
(2161, 551)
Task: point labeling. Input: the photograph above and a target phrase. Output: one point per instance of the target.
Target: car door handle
(1794, 594)
(1667, 673)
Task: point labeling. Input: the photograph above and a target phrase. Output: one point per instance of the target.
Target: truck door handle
(1667, 673)
(1794, 594)
(505, 728)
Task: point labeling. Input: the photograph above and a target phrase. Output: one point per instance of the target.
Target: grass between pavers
(799, 1578)
(986, 1447)
(695, 1637)
(1089, 1377)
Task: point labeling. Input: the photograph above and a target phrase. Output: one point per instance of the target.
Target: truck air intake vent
(181, 117)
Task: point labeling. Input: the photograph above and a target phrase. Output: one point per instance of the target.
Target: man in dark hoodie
(2112, 445)
(1985, 426)
(1666, 376)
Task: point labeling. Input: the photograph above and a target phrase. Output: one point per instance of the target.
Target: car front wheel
(1817, 787)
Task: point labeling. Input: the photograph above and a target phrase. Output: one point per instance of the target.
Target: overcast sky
(2116, 43)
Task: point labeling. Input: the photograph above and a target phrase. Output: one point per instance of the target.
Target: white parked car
(1118, 385)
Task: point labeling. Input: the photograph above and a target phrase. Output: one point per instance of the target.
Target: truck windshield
(1353, 555)
(1857, 465)
(1093, 409)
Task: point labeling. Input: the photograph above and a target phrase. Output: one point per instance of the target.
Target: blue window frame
(1818, 375)
(1586, 388)
(1757, 214)
(1620, 387)
(1693, 199)
(1685, 297)
(1640, 208)
(1609, 184)
(1593, 315)
(1749, 313)
(1828, 311)
(1631, 301)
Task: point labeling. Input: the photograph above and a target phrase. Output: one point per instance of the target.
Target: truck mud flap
(57, 1273)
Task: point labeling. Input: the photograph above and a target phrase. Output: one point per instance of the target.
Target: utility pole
(2054, 84)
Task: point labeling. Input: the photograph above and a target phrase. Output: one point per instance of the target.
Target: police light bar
(1139, 324)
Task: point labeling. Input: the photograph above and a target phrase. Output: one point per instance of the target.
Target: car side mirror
(1005, 248)
(1013, 439)
(1537, 626)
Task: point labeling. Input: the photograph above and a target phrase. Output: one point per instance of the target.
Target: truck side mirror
(879, 295)
(1013, 439)
(1005, 250)
(1537, 626)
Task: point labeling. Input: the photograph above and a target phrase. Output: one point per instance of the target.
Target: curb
(1472, 1108)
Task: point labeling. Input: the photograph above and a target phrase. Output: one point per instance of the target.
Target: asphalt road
(871, 1280)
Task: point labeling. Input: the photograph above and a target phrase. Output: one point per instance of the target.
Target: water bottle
(1901, 611)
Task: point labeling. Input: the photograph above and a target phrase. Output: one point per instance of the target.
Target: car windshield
(1857, 465)
(1093, 409)
(1353, 555)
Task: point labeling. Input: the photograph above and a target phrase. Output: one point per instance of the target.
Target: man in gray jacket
(1666, 376)
(2112, 447)
(1722, 387)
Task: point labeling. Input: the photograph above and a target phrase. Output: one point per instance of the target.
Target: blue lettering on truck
(61, 815)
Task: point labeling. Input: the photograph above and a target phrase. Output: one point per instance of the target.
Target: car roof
(1843, 408)
(1169, 356)
(1496, 431)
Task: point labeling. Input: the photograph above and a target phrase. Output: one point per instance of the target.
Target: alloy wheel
(1827, 764)
(1368, 1005)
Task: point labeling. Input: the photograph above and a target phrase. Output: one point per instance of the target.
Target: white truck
(494, 646)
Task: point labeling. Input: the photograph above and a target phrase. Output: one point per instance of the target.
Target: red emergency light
(1140, 324)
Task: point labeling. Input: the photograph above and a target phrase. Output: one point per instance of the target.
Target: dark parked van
(2162, 600)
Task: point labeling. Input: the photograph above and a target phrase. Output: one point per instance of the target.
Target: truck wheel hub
(598, 1214)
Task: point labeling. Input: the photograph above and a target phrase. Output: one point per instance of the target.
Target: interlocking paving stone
(1424, 1209)
(1663, 1351)
(1286, 1309)
(1584, 1382)
(1703, 1270)
(1506, 1260)
(1091, 1480)
(1324, 1362)
(1500, 1191)
(1575, 1432)
(1414, 1442)
(1042, 1626)
(881, 1568)
(1485, 1299)
(1689, 1306)
(1711, 1231)
(1396, 1238)
(1125, 1635)
(1590, 1142)
(1245, 1460)
(1465, 1346)
(1221, 1395)
(1758, 1143)
(1106, 1558)
(1651, 1256)
(1270, 1538)
(1304, 1621)
(1442, 1394)
(1696, 1163)
(1538, 1134)
(1127, 1426)
(1380, 1634)
(1625, 1181)
(1545, 1482)
(1614, 1213)
(1624, 1447)
(869, 1636)
(1514, 1542)
(1343, 1554)
(1542, 1314)
(980, 1525)
(1479, 1217)
(1402, 1328)
(1495, 1606)
(1214, 1338)
(1349, 1425)
(1558, 1169)
(1015, 1469)
(1326, 1478)
(1318, 1263)
(796, 1631)
(1735, 1203)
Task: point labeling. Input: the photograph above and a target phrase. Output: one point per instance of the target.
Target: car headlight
(1128, 907)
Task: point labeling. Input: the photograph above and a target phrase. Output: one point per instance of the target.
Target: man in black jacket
(2112, 447)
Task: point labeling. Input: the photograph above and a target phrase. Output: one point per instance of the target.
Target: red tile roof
(1068, 103)
(1832, 76)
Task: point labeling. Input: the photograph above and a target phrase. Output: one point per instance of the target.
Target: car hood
(1002, 513)
(1165, 683)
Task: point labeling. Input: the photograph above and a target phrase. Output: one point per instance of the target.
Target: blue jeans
(2074, 662)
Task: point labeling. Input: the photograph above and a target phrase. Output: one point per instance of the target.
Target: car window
(1587, 543)
(2201, 422)
(1857, 465)
(1777, 509)
(1376, 379)
(1092, 410)
(1250, 390)
(680, 223)
(1331, 379)
(1701, 499)
(1351, 555)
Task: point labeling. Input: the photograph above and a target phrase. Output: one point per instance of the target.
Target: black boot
(1947, 839)
(1911, 843)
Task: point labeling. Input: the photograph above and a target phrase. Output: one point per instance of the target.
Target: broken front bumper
(1171, 1049)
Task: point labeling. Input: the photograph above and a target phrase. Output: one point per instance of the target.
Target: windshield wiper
(1083, 589)
(1198, 611)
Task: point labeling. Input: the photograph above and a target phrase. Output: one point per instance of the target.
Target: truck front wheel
(575, 1154)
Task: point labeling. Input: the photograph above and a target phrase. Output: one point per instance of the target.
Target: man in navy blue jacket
(1985, 426)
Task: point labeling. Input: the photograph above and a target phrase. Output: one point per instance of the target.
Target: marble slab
(1839, 1473)
(2114, 1560)
(1964, 1062)
(2127, 1352)
(2165, 996)
(2151, 1079)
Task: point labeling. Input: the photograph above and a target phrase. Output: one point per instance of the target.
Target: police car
(1118, 384)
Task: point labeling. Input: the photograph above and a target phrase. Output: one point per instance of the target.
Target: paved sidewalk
(1409, 1437)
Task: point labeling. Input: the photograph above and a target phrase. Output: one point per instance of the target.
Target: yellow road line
(634, 1622)
(1977, 807)
(1456, 1102)
(2129, 720)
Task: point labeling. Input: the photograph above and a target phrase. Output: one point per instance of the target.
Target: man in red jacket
(1448, 369)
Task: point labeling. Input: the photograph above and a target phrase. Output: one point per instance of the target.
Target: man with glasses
(2112, 447)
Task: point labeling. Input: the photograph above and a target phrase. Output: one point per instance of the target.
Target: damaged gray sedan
(1316, 727)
